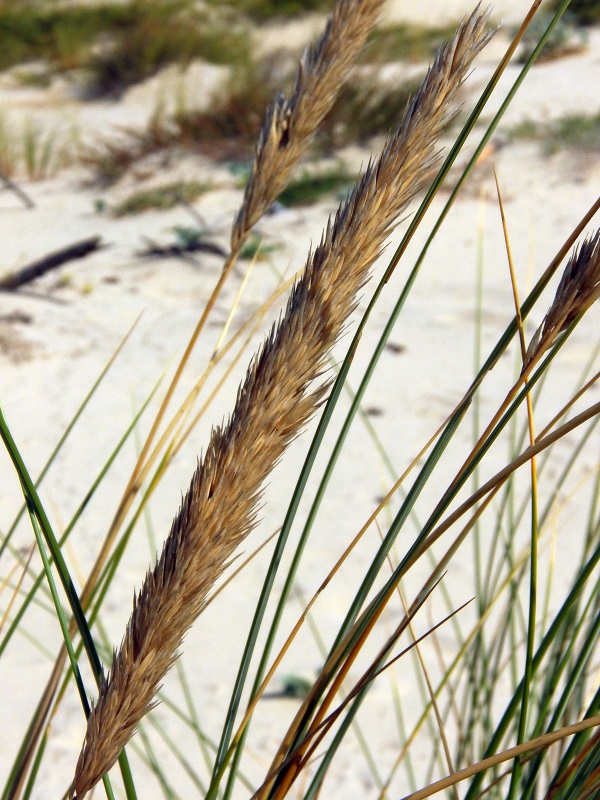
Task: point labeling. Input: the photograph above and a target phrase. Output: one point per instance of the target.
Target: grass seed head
(579, 287)
(291, 122)
(273, 403)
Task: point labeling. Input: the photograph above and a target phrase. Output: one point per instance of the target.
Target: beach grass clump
(575, 133)
(263, 10)
(161, 33)
(163, 197)
(9, 151)
(115, 43)
(33, 77)
(478, 593)
(578, 132)
(309, 187)
(274, 402)
(226, 130)
(61, 35)
(404, 42)
(585, 12)
(31, 149)
(42, 151)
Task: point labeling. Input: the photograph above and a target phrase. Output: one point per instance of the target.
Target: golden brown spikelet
(291, 122)
(579, 287)
(272, 405)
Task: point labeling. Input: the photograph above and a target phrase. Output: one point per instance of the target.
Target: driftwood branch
(51, 261)
(14, 187)
(181, 250)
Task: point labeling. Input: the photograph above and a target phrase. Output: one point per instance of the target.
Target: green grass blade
(561, 618)
(69, 529)
(58, 447)
(584, 654)
(315, 444)
(36, 506)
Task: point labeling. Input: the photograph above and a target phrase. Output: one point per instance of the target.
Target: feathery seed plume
(579, 287)
(291, 122)
(273, 403)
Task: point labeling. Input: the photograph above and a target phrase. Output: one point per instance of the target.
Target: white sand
(440, 12)
(77, 316)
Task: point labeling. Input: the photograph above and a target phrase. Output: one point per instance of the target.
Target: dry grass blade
(273, 404)
(287, 769)
(291, 122)
(6, 582)
(539, 742)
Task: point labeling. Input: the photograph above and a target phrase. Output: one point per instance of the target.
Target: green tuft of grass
(31, 149)
(160, 33)
(256, 248)
(117, 43)
(566, 38)
(161, 197)
(403, 42)
(60, 35)
(34, 78)
(261, 10)
(579, 132)
(364, 109)
(9, 154)
(527, 129)
(584, 12)
(308, 188)
(40, 150)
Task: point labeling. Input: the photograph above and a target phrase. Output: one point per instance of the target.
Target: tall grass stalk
(519, 680)
(201, 543)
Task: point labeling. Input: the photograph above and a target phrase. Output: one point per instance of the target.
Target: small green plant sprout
(188, 236)
(255, 248)
(161, 197)
(403, 42)
(9, 150)
(311, 186)
(40, 150)
(578, 133)
(293, 687)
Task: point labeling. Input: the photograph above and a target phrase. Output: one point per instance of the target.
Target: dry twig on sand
(38, 268)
